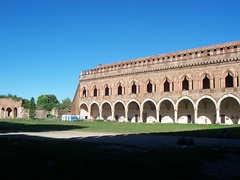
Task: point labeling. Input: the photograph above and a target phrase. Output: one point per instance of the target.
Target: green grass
(195, 130)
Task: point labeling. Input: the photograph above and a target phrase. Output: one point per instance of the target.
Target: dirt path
(142, 140)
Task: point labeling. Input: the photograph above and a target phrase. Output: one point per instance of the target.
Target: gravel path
(142, 140)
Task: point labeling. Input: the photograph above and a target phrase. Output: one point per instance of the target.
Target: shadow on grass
(30, 157)
(12, 127)
(232, 132)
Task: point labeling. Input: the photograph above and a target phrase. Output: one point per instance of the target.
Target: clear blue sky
(45, 44)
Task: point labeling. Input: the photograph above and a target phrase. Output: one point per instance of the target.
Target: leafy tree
(32, 108)
(66, 104)
(47, 101)
(25, 103)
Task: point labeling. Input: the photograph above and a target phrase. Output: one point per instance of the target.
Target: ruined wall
(10, 108)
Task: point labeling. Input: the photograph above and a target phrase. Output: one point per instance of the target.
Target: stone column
(157, 114)
(175, 115)
(235, 82)
(211, 83)
(126, 115)
(195, 116)
(100, 114)
(113, 119)
(190, 85)
(141, 116)
(218, 120)
(153, 88)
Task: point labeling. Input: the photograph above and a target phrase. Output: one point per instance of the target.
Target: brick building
(199, 86)
(10, 108)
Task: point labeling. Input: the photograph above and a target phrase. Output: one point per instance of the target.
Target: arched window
(106, 90)
(134, 88)
(84, 92)
(119, 89)
(166, 86)
(9, 111)
(206, 83)
(229, 80)
(95, 91)
(185, 85)
(149, 87)
(15, 112)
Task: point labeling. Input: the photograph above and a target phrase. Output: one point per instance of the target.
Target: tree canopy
(66, 104)
(32, 108)
(47, 102)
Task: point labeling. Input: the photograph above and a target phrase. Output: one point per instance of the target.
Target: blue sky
(45, 44)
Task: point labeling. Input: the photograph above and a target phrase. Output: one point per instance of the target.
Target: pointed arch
(185, 84)
(166, 85)
(149, 87)
(106, 88)
(229, 80)
(120, 89)
(206, 82)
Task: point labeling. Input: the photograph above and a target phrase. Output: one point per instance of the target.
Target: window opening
(84, 92)
(119, 89)
(229, 81)
(95, 92)
(134, 88)
(107, 91)
(149, 87)
(185, 84)
(166, 86)
(206, 83)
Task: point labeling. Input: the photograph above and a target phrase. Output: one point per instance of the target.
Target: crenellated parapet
(181, 59)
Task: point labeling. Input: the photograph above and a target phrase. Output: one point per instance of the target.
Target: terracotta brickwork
(199, 85)
(10, 108)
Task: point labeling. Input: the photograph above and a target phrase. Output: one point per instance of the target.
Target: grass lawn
(61, 159)
(194, 130)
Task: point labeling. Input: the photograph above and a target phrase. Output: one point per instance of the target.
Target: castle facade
(200, 85)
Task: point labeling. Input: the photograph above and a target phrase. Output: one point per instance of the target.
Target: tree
(47, 101)
(25, 103)
(32, 108)
(66, 104)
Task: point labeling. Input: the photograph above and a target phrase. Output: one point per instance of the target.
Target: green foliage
(66, 104)
(14, 97)
(47, 102)
(25, 103)
(32, 108)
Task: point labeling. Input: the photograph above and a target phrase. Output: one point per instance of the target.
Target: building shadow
(11, 127)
